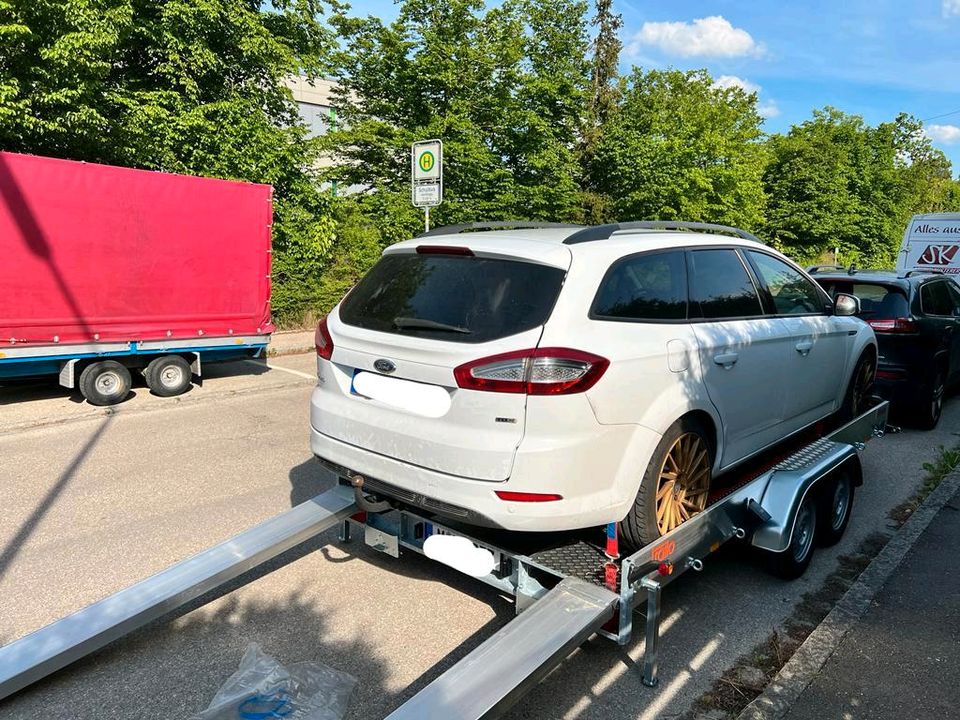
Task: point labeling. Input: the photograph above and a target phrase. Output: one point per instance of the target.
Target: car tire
(929, 411)
(793, 562)
(168, 375)
(105, 383)
(836, 505)
(859, 389)
(675, 485)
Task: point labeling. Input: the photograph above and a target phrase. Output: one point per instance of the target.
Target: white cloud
(945, 134)
(951, 8)
(705, 37)
(768, 109)
(724, 82)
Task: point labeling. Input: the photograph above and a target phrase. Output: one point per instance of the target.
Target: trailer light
(665, 568)
(322, 339)
(527, 496)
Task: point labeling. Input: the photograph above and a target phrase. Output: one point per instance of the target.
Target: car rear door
(741, 351)
(399, 335)
(938, 301)
(814, 368)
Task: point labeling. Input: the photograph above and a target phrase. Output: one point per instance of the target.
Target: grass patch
(946, 462)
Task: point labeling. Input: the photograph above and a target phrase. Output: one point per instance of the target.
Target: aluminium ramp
(54, 646)
(488, 681)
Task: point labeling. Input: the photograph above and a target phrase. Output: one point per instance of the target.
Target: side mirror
(846, 305)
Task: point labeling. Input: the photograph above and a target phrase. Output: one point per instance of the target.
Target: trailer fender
(790, 484)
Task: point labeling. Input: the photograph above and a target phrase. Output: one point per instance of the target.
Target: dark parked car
(916, 317)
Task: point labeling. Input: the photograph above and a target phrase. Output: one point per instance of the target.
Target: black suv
(916, 317)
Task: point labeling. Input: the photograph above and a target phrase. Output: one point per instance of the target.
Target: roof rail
(602, 232)
(494, 225)
(852, 269)
(908, 273)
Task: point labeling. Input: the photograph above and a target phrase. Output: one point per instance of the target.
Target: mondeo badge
(384, 366)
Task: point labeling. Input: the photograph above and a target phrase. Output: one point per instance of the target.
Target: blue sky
(875, 58)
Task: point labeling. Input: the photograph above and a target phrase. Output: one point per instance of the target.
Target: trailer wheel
(168, 375)
(793, 562)
(836, 503)
(675, 485)
(105, 383)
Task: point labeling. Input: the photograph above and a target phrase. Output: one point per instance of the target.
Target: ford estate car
(543, 378)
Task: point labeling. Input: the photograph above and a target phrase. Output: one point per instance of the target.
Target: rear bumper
(598, 482)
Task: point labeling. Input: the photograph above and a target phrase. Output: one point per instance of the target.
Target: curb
(794, 677)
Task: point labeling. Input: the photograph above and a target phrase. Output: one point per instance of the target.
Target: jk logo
(938, 255)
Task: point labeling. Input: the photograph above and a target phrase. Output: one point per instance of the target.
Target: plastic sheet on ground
(263, 689)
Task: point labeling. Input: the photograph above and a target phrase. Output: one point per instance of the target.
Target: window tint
(877, 302)
(452, 297)
(792, 293)
(645, 287)
(935, 298)
(720, 286)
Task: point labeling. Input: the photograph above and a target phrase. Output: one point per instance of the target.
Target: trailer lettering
(662, 551)
(938, 255)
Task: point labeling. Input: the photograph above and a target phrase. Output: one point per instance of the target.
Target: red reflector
(665, 568)
(527, 496)
(890, 374)
(322, 340)
(443, 250)
(894, 325)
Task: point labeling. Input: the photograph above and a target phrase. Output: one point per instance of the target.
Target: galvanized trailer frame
(564, 593)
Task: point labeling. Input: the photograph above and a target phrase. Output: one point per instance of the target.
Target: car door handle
(804, 347)
(727, 360)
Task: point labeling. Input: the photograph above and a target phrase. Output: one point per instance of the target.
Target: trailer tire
(792, 562)
(168, 375)
(106, 382)
(836, 505)
(689, 443)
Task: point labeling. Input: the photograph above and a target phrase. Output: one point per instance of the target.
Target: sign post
(426, 176)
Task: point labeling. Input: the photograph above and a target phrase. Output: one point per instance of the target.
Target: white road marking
(298, 373)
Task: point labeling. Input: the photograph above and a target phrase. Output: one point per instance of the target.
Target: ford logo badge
(384, 366)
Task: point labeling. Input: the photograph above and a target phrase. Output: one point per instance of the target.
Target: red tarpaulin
(94, 252)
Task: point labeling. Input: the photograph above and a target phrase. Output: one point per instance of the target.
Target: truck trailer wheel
(793, 562)
(168, 375)
(836, 503)
(105, 383)
(675, 485)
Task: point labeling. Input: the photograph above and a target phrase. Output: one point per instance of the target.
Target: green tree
(602, 102)
(188, 86)
(503, 88)
(836, 183)
(680, 148)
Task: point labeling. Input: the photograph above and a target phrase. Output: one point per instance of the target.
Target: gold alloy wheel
(684, 482)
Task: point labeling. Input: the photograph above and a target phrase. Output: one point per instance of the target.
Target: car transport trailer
(565, 591)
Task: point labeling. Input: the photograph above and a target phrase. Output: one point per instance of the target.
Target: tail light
(894, 325)
(322, 340)
(541, 371)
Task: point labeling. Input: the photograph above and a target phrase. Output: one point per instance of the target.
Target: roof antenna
(852, 270)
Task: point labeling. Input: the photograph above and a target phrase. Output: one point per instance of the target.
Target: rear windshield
(452, 297)
(877, 302)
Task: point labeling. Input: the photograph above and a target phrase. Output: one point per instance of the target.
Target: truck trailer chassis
(565, 591)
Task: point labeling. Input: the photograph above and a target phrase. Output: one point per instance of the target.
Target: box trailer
(107, 271)
(931, 243)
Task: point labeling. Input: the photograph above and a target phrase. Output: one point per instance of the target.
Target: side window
(792, 293)
(935, 299)
(644, 287)
(720, 286)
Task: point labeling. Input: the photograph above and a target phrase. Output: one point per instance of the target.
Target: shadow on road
(16, 543)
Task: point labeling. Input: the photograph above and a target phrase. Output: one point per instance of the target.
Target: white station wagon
(546, 377)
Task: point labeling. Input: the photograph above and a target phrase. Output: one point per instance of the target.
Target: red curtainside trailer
(105, 270)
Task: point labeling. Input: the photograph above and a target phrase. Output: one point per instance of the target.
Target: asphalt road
(100, 499)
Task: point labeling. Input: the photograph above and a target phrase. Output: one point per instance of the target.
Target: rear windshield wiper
(405, 322)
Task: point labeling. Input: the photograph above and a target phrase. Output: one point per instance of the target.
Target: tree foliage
(680, 148)
(188, 86)
(503, 88)
(836, 183)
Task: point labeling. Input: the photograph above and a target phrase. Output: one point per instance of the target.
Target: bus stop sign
(426, 163)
